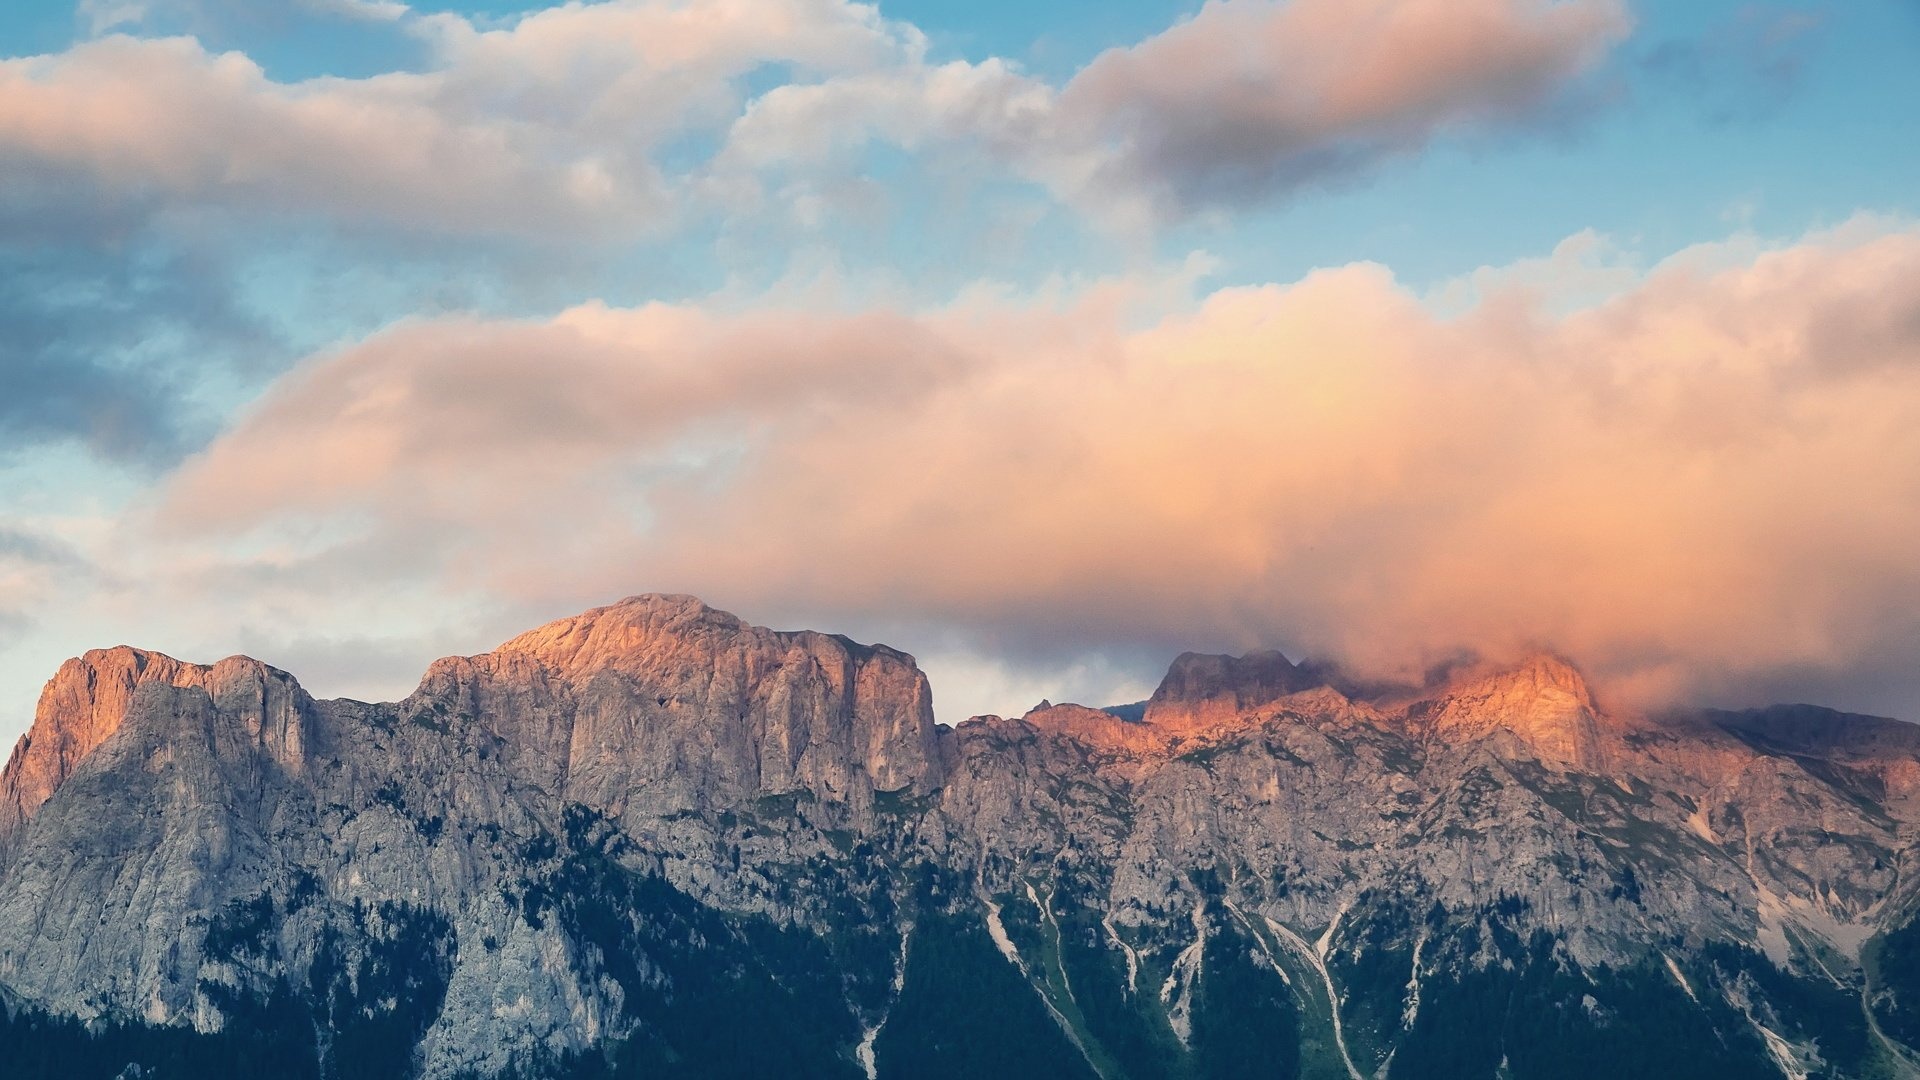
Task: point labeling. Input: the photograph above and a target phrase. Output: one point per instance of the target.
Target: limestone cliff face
(153, 796)
(556, 849)
(179, 798)
(82, 706)
(667, 691)
(1543, 703)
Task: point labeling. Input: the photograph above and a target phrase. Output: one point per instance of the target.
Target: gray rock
(175, 839)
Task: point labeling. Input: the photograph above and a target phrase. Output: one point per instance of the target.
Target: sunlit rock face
(1543, 704)
(615, 840)
(663, 699)
(85, 702)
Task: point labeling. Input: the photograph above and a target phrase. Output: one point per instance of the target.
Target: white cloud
(166, 119)
(105, 15)
(1248, 101)
(561, 121)
(373, 10)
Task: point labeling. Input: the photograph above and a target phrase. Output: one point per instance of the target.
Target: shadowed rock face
(1201, 689)
(574, 844)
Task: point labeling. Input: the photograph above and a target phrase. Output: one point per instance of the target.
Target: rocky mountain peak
(1204, 690)
(93, 696)
(1096, 727)
(1543, 701)
(1813, 729)
(1539, 676)
(84, 703)
(617, 834)
(619, 634)
(664, 688)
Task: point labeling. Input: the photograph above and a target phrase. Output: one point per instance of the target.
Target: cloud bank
(1705, 480)
(204, 202)
(618, 119)
(1694, 478)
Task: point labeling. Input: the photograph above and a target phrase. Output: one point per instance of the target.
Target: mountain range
(655, 840)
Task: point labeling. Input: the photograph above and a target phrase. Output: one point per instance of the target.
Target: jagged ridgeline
(656, 841)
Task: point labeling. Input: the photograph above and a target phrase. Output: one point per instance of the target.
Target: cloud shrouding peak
(1701, 485)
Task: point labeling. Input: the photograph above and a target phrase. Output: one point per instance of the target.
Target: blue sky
(215, 214)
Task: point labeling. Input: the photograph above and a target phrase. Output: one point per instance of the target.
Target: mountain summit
(603, 848)
(1543, 703)
(1200, 689)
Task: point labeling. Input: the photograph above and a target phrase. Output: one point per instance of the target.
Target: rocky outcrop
(171, 810)
(666, 691)
(1100, 729)
(84, 704)
(1202, 690)
(579, 845)
(1542, 703)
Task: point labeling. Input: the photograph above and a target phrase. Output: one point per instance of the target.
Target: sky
(1042, 341)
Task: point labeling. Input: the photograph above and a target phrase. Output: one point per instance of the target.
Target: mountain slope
(607, 845)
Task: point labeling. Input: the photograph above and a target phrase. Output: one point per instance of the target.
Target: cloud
(52, 397)
(165, 119)
(165, 209)
(1741, 69)
(373, 10)
(622, 120)
(1252, 99)
(1247, 102)
(98, 333)
(1699, 483)
(106, 16)
(551, 127)
(593, 389)
(34, 567)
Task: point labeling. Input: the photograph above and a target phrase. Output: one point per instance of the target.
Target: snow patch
(1321, 946)
(1778, 1048)
(1773, 932)
(1260, 940)
(997, 930)
(1046, 913)
(1846, 935)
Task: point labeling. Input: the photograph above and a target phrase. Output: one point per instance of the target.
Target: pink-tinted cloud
(1708, 479)
(1247, 101)
(549, 126)
(566, 121)
(165, 119)
(1253, 98)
